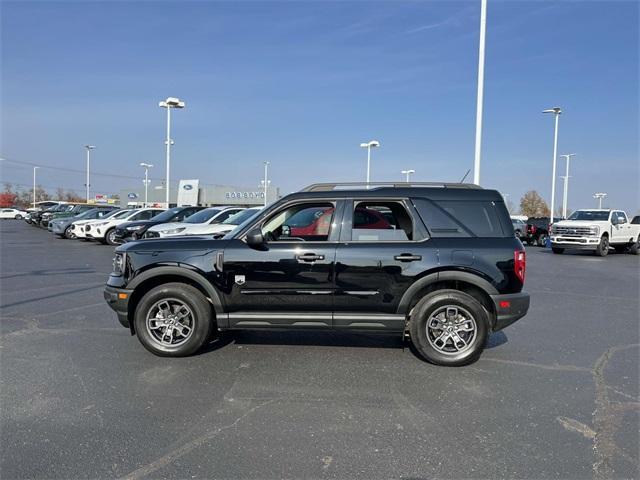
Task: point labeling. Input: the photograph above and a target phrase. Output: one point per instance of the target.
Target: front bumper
(56, 228)
(118, 300)
(584, 243)
(509, 308)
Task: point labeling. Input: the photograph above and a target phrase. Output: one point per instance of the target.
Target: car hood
(577, 223)
(166, 226)
(207, 229)
(143, 223)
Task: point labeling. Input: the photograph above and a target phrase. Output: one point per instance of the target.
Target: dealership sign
(132, 195)
(241, 195)
(188, 192)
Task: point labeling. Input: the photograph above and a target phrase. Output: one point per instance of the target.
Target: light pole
(565, 196)
(265, 183)
(483, 28)
(369, 146)
(407, 173)
(89, 148)
(556, 112)
(599, 197)
(169, 103)
(146, 166)
(34, 186)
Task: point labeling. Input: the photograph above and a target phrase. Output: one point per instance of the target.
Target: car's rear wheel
(603, 247)
(173, 320)
(557, 250)
(635, 247)
(541, 240)
(68, 233)
(449, 327)
(110, 236)
(18, 217)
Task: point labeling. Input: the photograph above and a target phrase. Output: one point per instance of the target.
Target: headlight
(134, 228)
(173, 231)
(119, 264)
(595, 230)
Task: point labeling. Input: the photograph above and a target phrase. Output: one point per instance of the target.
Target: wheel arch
(466, 282)
(154, 277)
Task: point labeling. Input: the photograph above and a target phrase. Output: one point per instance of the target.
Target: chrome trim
(361, 292)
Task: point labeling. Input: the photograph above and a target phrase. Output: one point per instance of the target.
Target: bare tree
(533, 205)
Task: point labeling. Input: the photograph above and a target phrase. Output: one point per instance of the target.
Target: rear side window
(459, 219)
(375, 221)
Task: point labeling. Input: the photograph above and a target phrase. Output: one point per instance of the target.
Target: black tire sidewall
(435, 300)
(601, 251)
(107, 234)
(203, 318)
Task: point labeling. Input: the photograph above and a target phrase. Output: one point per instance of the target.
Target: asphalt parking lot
(554, 396)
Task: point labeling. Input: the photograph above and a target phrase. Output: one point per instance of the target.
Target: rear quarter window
(463, 218)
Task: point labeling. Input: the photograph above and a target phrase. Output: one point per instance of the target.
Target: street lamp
(599, 197)
(266, 182)
(89, 148)
(369, 146)
(565, 196)
(146, 166)
(34, 186)
(556, 112)
(407, 173)
(169, 103)
(479, 101)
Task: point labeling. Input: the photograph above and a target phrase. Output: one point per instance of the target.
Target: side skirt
(312, 320)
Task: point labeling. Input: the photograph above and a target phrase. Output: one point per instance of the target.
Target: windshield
(87, 213)
(232, 233)
(112, 213)
(167, 214)
(122, 214)
(590, 215)
(240, 217)
(202, 216)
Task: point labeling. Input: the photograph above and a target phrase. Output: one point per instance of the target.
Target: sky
(302, 83)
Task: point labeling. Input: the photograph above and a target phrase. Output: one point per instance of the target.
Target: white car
(203, 218)
(205, 228)
(597, 230)
(77, 227)
(12, 213)
(104, 230)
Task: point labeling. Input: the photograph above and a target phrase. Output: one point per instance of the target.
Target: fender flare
(180, 272)
(412, 291)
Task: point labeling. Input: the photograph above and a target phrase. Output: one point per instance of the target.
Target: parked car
(519, 227)
(446, 269)
(38, 216)
(211, 221)
(537, 231)
(12, 213)
(136, 229)
(596, 230)
(105, 231)
(635, 220)
(77, 227)
(76, 210)
(63, 226)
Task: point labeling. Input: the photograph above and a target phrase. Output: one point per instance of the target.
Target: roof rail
(323, 187)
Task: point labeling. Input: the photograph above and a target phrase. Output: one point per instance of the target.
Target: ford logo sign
(188, 187)
(132, 195)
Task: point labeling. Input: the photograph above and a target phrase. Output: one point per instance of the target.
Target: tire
(18, 217)
(541, 240)
(518, 234)
(68, 233)
(557, 250)
(635, 247)
(432, 310)
(603, 247)
(157, 340)
(110, 236)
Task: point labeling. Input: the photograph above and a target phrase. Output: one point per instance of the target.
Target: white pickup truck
(596, 230)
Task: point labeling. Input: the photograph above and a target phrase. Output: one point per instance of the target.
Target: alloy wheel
(451, 330)
(170, 322)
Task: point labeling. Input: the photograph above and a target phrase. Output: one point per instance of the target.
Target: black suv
(134, 230)
(437, 261)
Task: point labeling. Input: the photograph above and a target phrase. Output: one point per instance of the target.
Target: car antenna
(465, 176)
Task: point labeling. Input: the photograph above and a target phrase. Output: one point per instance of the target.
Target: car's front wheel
(603, 247)
(68, 233)
(449, 327)
(18, 217)
(110, 236)
(173, 320)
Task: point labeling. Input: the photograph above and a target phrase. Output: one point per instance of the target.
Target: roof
(434, 191)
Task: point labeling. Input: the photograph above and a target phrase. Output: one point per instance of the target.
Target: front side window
(309, 222)
(381, 221)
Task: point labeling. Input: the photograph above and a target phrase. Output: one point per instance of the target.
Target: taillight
(520, 264)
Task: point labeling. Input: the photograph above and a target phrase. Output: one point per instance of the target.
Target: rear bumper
(509, 308)
(114, 297)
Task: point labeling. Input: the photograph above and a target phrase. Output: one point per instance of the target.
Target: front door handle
(407, 257)
(309, 257)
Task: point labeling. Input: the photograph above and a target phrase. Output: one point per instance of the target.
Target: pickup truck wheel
(635, 247)
(449, 327)
(110, 236)
(603, 247)
(557, 250)
(173, 320)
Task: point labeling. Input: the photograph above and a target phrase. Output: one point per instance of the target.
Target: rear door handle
(309, 257)
(407, 257)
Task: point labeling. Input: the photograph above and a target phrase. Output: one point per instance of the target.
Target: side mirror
(255, 239)
(620, 220)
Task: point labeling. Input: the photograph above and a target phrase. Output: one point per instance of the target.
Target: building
(191, 192)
